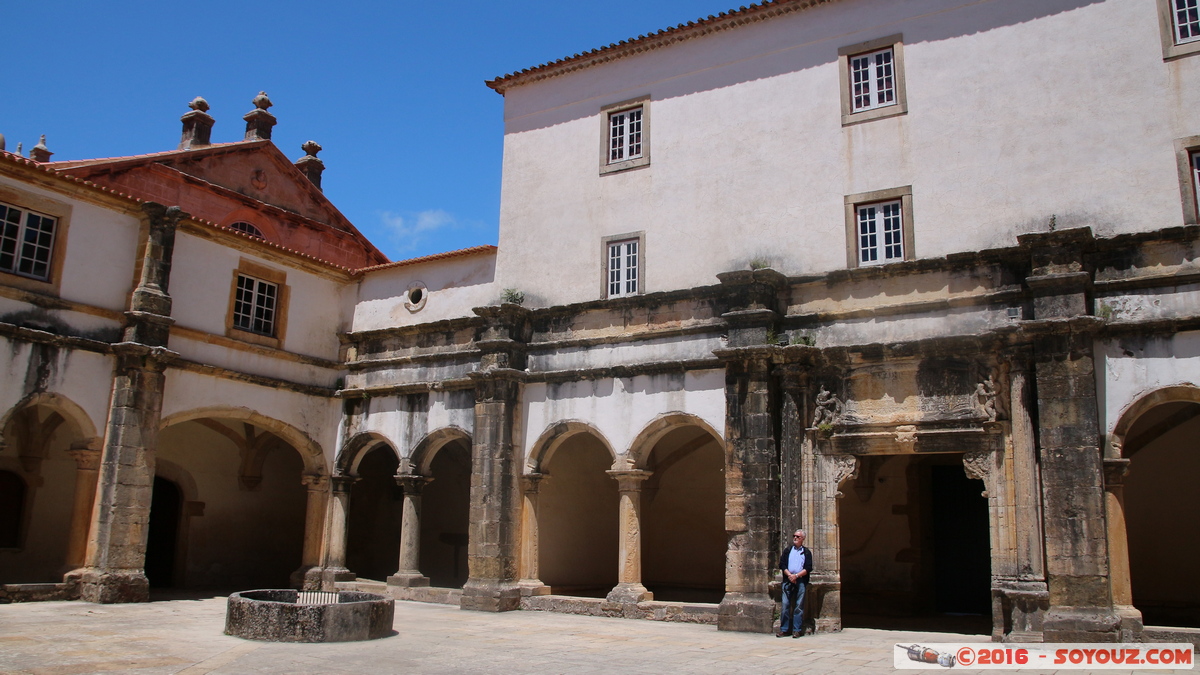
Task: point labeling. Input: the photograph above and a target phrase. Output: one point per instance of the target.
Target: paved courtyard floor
(186, 636)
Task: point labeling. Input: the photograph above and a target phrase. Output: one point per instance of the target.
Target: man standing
(796, 563)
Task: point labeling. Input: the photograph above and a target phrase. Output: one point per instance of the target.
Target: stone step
(654, 610)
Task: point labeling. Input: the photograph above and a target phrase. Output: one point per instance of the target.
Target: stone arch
(356, 448)
(553, 438)
(70, 410)
(310, 451)
(639, 452)
(1179, 393)
(420, 459)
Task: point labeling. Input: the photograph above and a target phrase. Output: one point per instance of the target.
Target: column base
(105, 587)
(1131, 623)
(532, 587)
(306, 578)
(1081, 624)
(332, 575)
(408, 579)
(1019, 610)
(746, 612)
(490, 595)
(629, 594)
(824, 600)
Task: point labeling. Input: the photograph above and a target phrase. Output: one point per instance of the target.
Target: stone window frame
(249, 268)
(605, 243)
(1172, 48)
(28, 201)
(852, 202)
(900, 107)
(1187, 155)
(606, 113)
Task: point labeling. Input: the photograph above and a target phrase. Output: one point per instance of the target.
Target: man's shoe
(796, 635)
(781, 634)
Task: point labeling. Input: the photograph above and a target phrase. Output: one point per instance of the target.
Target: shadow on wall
(799, 41)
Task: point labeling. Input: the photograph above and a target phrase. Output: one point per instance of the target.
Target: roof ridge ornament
(261, 101)
(259, 121)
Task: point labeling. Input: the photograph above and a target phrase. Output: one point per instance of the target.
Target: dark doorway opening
(915, 546)
(162, 539)
(376, 510)
(446, 515)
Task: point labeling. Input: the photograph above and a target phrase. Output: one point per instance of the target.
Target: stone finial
(1, 142)
(40, 153)
(20, 149)
(197, 125)
(309, 164)
(259, 121)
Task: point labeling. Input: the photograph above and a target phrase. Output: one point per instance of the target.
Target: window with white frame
(1185, 15)
(873, 80)
(254, 305)
(623, 268)
(880, 232)
(26, 242)
(625, 135)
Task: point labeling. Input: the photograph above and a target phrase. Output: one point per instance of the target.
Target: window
(26, 242)
(872, 80)
(1187, 153)
(879, 227)
(254, 305)
(258, 304)
(623, 265)
(1179, 24)
(872, 75)
(243, 226)
(625, 142)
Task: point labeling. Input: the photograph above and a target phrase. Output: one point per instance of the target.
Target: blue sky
(393, 91)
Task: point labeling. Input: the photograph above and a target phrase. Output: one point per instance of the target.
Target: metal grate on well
(317, 598)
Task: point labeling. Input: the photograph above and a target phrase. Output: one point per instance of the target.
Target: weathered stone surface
(275, 616)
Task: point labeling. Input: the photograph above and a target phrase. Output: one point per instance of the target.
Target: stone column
(751, 497)
(492, 550)
(1115, 471)
(87, 470)
(531, 582)
(409, 573)
(116, 552)
(335, 532)
(308, 577)
(629, 588)
(825, 474)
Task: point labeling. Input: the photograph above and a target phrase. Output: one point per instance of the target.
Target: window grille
(243, 226)
(1187, 20)
(875, 220)
(625, 135)
(872, 80)
(26, 242)
(622, 268)
(254, 305)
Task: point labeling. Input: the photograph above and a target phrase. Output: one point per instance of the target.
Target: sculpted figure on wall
(829, 408)
(985, 398)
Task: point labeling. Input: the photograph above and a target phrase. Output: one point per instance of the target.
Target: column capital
(411, 483)
(530, 481)
(86, 455)
(342, 484)
(629, 480)
(315, 482)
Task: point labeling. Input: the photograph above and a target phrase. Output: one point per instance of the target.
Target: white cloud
(407, 231)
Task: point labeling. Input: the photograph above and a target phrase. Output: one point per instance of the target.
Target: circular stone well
(291, 616)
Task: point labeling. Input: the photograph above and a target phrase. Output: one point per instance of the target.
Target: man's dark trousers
(792, 618)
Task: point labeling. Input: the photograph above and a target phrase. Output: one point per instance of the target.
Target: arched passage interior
(41, 493)
(577, 519)
(445, 516)
(1162, 513)
(376, 503)
(683, 517)
(242, 511)
(915, 546)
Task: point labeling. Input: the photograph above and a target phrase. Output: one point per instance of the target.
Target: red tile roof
(656, 40)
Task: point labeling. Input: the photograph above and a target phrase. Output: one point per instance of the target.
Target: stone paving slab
(186, 636)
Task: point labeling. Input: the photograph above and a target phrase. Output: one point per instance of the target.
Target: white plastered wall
(403, 421)
(621, 408)
(454, 286)
(1017, 110)
(84, 378)
(1128, 369)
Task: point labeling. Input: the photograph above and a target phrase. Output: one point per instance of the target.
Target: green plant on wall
(760, 264)
(512, 295)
